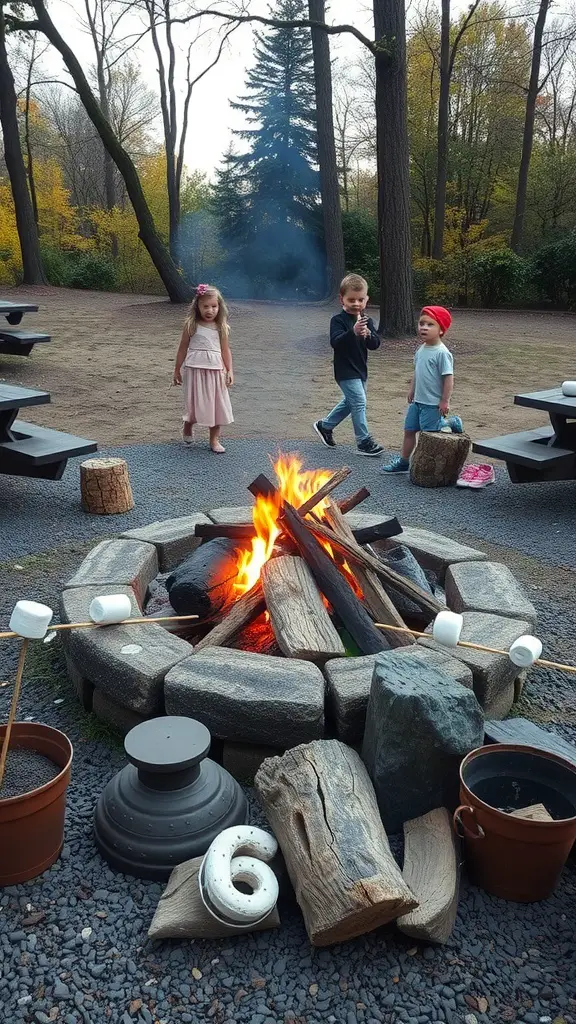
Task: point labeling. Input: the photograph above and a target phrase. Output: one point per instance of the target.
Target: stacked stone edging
(129, 673)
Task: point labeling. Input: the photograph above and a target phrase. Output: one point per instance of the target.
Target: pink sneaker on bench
(476, 476)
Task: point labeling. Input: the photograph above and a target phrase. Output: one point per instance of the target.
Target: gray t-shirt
(431, 364)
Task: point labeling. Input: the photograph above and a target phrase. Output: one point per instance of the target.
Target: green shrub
(360, 230)
(498, 276)
(93, 271)
(57, 266)
(554, 272)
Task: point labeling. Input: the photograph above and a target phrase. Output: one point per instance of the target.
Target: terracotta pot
(515, 858)
(32, 825)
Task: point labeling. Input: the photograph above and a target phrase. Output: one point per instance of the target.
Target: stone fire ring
(260, 705)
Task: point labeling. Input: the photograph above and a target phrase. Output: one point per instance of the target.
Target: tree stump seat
(438, 459)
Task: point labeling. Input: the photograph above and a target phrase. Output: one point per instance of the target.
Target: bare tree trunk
(178, 289)
(33, 271)
(528, 137)
(27, 139)
(396, 306)
(329, 187)
(442, 154)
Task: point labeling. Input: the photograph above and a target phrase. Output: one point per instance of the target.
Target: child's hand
(361, 329)
(410, 397)
(177, 377)
(444, 407)
(229, 379)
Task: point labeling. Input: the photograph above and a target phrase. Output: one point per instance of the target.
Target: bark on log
(377, 601)
(299, 618)
(105, 486)
(380, 531)
(262, 487)
(321, 806)
(203, 584)
(181, 913)
(384, 572)
(431, 872)
(246, 531)
(438, 459)
(325, 490)
(243, 611)
(347, 504)
(334, 586)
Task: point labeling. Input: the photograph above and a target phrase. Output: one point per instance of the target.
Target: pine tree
(276, 179)
(229, 201)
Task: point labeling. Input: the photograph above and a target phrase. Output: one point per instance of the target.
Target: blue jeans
(352, 404)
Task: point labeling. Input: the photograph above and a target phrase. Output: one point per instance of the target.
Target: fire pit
(285, 647)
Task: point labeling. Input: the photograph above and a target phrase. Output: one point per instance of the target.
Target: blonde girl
(204, 366)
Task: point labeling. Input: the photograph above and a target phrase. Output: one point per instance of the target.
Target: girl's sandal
(217, 448)
(187, 439)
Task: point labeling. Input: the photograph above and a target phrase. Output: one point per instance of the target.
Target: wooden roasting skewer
(13, 708)
(65, 626)
(478, 647)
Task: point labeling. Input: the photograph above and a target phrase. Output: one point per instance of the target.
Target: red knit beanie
(440, 315)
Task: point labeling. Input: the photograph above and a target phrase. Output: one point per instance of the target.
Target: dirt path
(109, 367)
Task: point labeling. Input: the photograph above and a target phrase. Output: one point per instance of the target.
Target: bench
(40, 452)
(530, 455)
(20, 343)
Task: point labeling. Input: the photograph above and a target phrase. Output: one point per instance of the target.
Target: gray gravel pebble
(96, 981)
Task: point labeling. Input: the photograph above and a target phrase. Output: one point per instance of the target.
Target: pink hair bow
(201, 289)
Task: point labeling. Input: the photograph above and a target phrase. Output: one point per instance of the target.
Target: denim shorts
(423, 417)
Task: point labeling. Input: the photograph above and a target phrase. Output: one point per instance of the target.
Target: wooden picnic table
(18, 343)
(546, 453)
(29, 450)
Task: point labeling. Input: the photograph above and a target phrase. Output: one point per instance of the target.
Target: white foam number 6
(239, 855)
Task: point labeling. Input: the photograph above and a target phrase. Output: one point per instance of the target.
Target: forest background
(483, 97)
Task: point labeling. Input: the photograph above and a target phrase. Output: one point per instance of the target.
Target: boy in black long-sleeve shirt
(351, 335)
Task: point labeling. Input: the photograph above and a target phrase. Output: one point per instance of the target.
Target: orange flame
(296, 486)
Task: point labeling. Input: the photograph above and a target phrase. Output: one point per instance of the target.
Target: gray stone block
(487, 587)
(249, 698)
(241, 514)
(128, 563)
(494, 674)
(113, 714)
(173, 539)
(243, 760)
(419, 726)
(83, 687)
(128, 663)
(349, 681)
(434, 550)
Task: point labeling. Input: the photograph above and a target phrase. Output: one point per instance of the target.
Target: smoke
(278, 259)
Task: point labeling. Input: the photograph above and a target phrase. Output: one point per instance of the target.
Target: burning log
(246, 531)
(262, 487)
(204, 582)
(359, 556)
(247, 608)
(380, 606)
(347, 504)
(257, 637)
(333, 585)
(321, 805)
(299, 619)
(325, 490)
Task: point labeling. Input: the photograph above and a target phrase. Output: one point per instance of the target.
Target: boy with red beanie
(431, 386)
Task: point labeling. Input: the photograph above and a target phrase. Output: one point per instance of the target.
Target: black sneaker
(370, 447)
(325, 436)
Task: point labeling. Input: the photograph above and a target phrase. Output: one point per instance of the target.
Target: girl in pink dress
(204, 366)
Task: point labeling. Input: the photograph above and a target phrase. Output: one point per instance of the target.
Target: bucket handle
(461, 829)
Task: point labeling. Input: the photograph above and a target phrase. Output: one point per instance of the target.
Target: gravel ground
(73, 943)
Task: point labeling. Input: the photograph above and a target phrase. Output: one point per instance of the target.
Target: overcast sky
(211, 118)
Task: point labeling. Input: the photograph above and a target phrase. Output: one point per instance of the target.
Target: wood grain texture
(105, 486)
(322, 808)
(298, 615)
(247, 608)
(431, 872)
(333, 585)
(377, 601)
(438, 459)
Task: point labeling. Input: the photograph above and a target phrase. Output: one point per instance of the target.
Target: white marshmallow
(112, 608)
(569, 388)
(525, 651)
(31, 619)
(447, 628)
